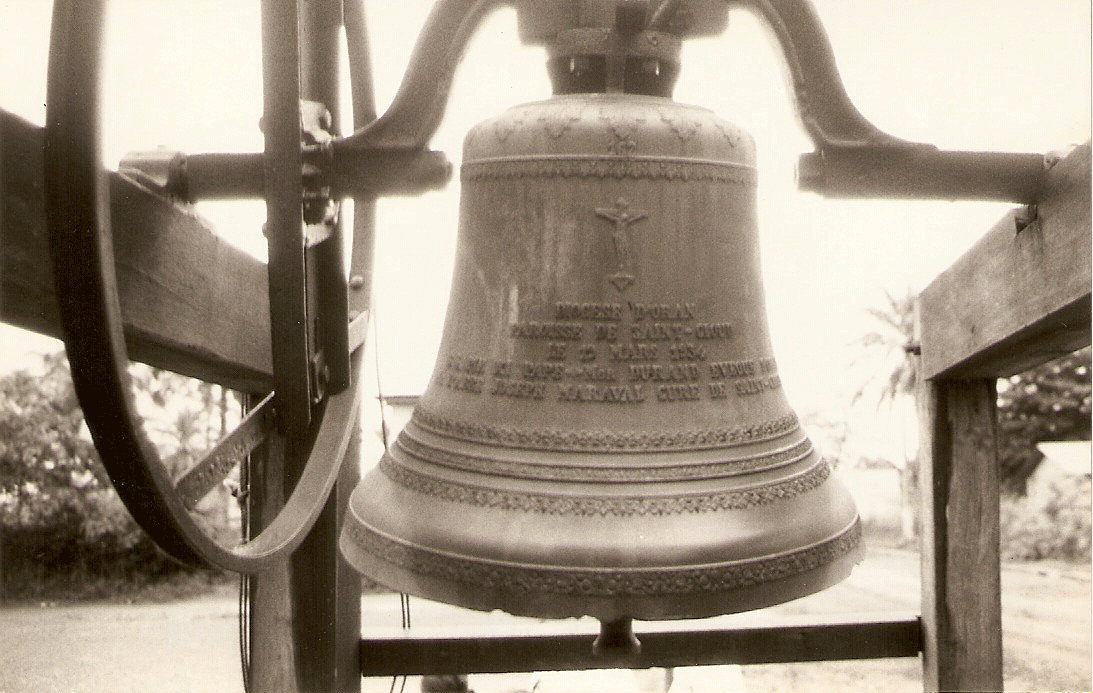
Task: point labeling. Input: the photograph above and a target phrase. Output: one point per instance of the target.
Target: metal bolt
(356, 282)
(1055, 156)
(1024, 216)
(810, 172)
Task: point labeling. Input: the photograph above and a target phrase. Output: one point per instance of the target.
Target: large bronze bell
(605, 432)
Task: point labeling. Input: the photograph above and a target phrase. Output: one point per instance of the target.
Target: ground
(191, 645)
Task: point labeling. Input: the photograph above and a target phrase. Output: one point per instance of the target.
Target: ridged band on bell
(605, 431)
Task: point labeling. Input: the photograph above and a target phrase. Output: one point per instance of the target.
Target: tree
(895, 373)
(185, 418)
(891, 380)
(58, 509)
(47, 460)
(1046, 403)
(55, 498)
(1049, 402)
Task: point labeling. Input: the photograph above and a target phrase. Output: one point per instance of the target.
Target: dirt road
(191, 646)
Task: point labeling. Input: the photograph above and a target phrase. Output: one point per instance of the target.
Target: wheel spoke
(284, 215)
(217, 463)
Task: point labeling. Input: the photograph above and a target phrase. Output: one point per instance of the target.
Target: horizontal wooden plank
(792, 642)
(192, 303)
(1019, 297)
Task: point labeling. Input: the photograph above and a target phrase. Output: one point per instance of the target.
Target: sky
(997, 75)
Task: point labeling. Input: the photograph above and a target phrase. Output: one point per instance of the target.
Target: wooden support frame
(1019, 297)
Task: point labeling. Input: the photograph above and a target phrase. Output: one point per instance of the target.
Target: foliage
(48, 465)
(1046, 403)
(894, 373)
(1057, 527)
(62, 526)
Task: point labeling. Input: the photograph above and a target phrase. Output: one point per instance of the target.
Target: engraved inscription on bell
(619, 348)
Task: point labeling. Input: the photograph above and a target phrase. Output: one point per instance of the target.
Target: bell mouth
(555, 592)
(742, 549)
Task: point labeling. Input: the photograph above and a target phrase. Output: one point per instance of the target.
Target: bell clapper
(616, 640)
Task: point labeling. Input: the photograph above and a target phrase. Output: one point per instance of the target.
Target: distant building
(1065, 467)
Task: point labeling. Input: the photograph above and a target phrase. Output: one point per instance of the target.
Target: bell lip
(847, 546)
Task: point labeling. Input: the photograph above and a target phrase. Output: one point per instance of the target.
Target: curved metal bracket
(418, 106)
(825, 109)
(853, 157)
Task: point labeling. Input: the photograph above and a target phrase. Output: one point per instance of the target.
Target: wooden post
(1019, 297)
(271, 646)
(961, 578)
(306, 612)
(325, 596)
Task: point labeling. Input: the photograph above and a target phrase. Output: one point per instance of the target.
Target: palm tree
(895, 374)
(891, 381)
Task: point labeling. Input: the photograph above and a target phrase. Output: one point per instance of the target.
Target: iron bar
(283, 188)
(219, 176)
(792, 642)
(367, 173)
(922, 172)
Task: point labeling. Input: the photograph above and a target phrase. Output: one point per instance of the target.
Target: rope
(243, 498)
(404, 599)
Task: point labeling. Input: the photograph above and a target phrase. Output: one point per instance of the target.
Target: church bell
(605, 432)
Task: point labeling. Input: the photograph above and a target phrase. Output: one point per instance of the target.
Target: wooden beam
(325, 591)
(272, 649)
(800, 641)
(961, 575)
(305, 610)
(325, 594)
(1019, 297)
(192, 303)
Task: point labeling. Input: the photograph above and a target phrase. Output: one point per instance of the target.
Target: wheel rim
(78, 221)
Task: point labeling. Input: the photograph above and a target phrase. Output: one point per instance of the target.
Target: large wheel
(306, 423)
